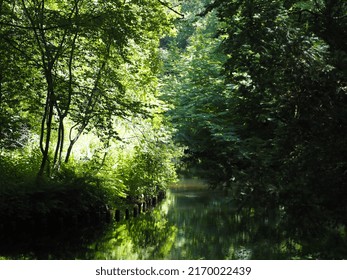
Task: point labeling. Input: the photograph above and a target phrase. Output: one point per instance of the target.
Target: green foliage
(267, 120)
(18, 168)
(150, 165)
(288, 108)
(195, 86)
(73, 70)
(95, 62)
(63, 196)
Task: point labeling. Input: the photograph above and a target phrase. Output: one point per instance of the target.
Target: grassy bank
(84, 191)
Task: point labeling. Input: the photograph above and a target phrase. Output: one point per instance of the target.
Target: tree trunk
(46, 125)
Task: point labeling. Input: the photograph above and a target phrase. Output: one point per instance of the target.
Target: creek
(193, 222)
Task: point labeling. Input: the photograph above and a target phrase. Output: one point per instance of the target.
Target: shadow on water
(209, 228)
(193, 222)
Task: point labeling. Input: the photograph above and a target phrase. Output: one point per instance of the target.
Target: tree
(84, 51)
(194, 84)
(276, 121)
(290, 101)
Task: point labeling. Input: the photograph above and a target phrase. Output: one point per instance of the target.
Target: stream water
(193, 222)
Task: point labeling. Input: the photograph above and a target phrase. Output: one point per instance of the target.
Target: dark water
(193, 222)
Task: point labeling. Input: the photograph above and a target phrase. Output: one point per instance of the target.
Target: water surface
(193, 222)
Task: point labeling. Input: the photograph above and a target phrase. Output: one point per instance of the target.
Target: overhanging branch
(171, 8)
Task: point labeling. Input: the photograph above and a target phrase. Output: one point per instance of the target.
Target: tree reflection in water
(193, 222)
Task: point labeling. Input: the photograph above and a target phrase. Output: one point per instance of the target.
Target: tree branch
(171, 8)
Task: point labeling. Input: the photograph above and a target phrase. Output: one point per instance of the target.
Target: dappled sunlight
(104, 105)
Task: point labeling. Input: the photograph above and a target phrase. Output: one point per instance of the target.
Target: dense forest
(259, 101)
(102, 102)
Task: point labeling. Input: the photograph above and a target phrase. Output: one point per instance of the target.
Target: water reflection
(194, 222)
(146, 237)
(208, 228)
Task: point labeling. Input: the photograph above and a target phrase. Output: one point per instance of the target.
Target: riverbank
(192, 222)
(54, 208)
